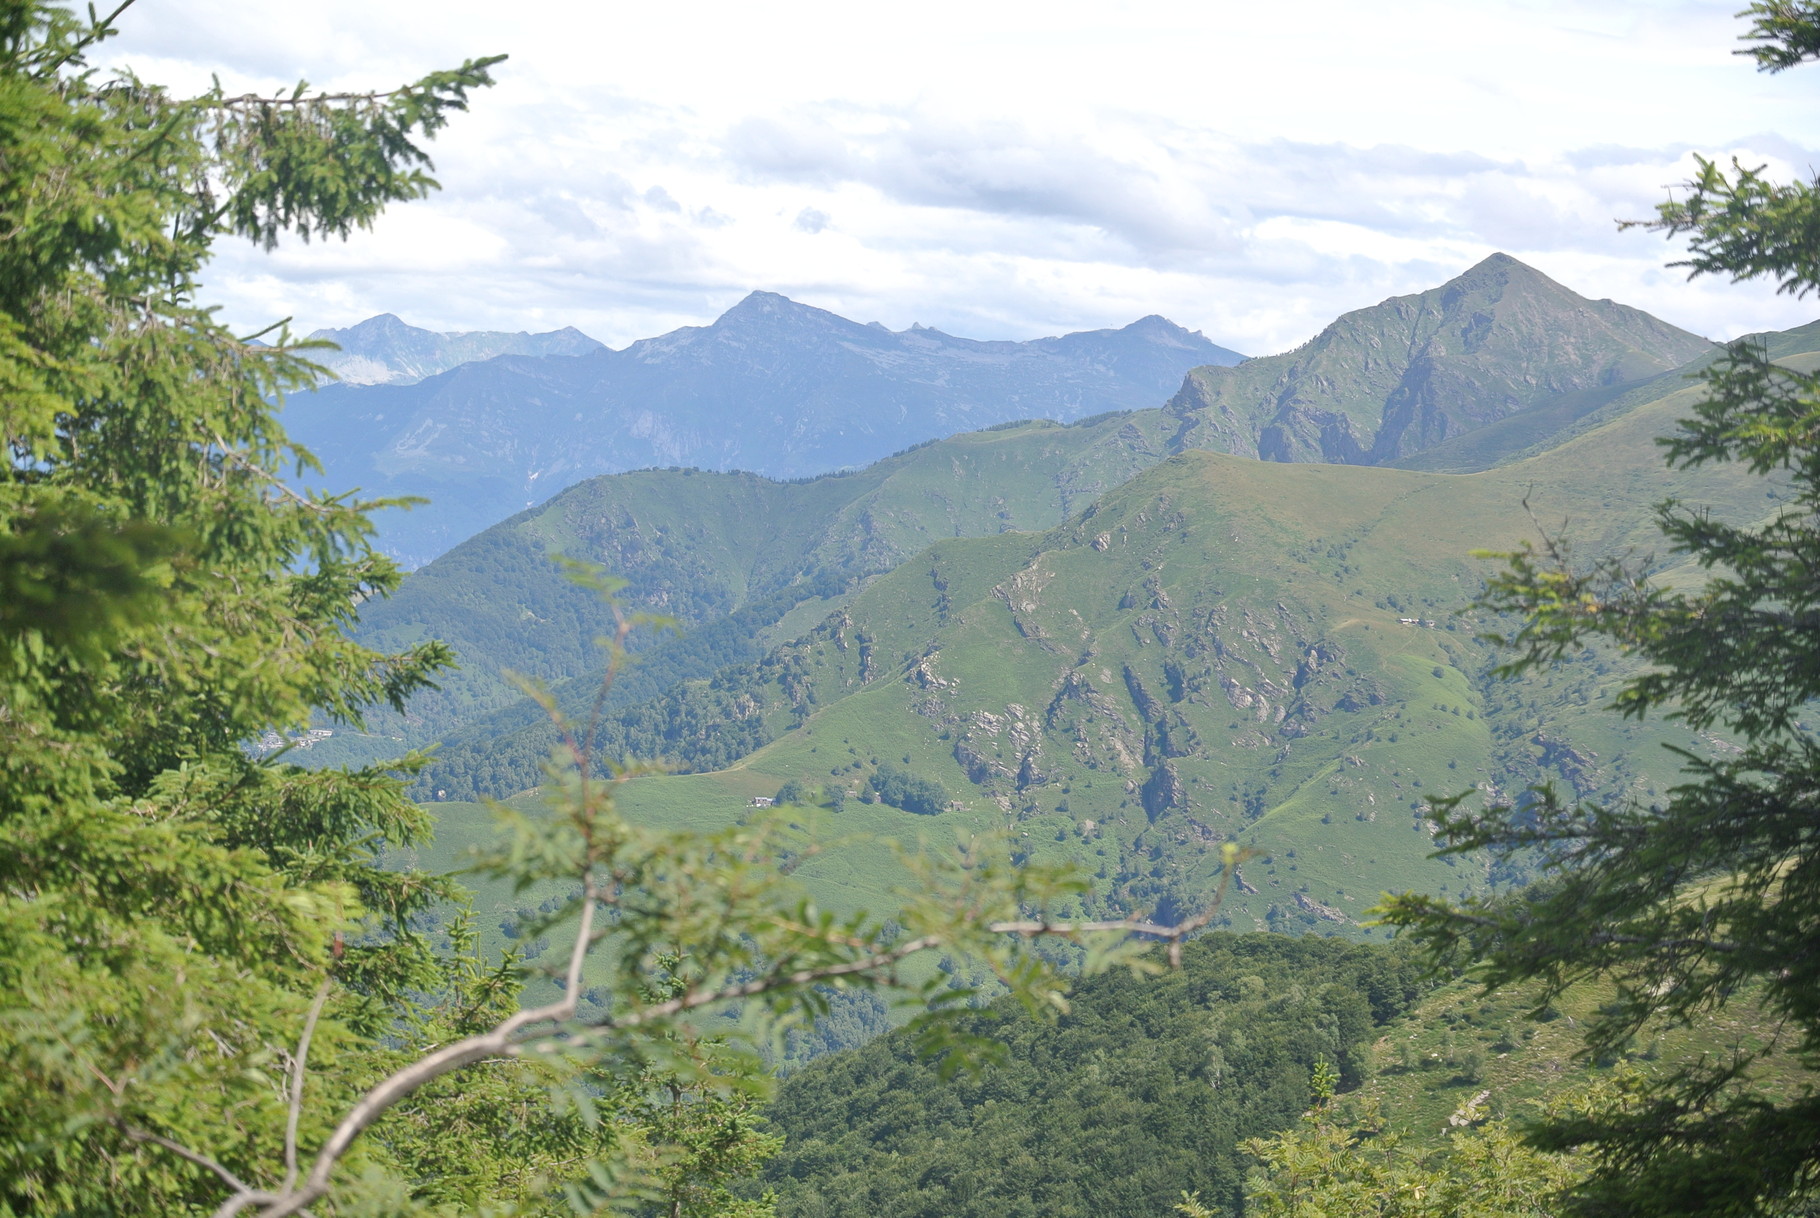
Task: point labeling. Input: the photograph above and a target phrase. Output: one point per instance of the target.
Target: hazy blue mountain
(385, 351)
(1382, 384)
(773, 387)
(700, 547)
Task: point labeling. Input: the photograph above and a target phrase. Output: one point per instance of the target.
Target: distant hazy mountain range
(773, 386)
(385, 351)
(1116, 644)
(1210, 647)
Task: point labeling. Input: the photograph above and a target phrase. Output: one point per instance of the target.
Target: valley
(793, 766)
(1104, 646)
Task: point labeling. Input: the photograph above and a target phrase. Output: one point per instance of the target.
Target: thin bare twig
(183, 1152)
(297, 1070)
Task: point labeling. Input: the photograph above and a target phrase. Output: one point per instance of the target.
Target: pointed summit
(1399, 377)
(381, 323)
(759, 305)
(760, 321)
(1499, 261)
(759, 302)
(1159, 329)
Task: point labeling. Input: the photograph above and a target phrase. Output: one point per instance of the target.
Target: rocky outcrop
(1406, 375)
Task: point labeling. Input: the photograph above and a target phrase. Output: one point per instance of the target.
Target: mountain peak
(377, 325)
(769, 310)
(1501, 268)
(1498, 259)
(762, 300)
(760, 303)
(1404, 375)
(1158, 328)
(1153, 337)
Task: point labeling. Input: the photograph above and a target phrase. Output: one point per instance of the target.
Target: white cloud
(1009, 168)
(812, 220)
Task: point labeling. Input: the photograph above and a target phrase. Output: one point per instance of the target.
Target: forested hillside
(1142, 1091)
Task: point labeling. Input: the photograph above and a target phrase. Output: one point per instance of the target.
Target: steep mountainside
(697, 546)
(1554, 421)
(385, 351)
(773, 386)
(1406, 375)
(1222, 648)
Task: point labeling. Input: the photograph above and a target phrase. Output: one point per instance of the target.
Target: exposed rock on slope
(1383, 383)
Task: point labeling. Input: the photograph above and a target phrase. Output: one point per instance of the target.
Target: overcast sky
(1002, 169)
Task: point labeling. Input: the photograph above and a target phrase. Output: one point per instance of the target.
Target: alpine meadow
(792, 767)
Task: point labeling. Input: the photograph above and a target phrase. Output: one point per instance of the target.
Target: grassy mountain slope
(701, 546)
(1217, 649)
(500, 754)
(1224, 648)
(1403, 376)
(1551, 423)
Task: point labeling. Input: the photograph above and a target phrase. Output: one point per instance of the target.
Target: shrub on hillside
(902, 789)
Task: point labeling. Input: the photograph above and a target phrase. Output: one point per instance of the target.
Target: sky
(1004, 169)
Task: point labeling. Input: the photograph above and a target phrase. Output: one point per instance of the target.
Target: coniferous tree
(213, 996)
(1713, 896)
(169, 901)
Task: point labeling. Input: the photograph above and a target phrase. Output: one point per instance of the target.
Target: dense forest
(1144, 1090)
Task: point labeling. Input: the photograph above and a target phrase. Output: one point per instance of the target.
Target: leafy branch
(685, 923)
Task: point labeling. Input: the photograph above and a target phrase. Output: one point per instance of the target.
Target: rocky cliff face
(1386, 382)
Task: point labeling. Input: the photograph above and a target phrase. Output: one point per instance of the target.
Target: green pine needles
(1710, 897)
(217, 998)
